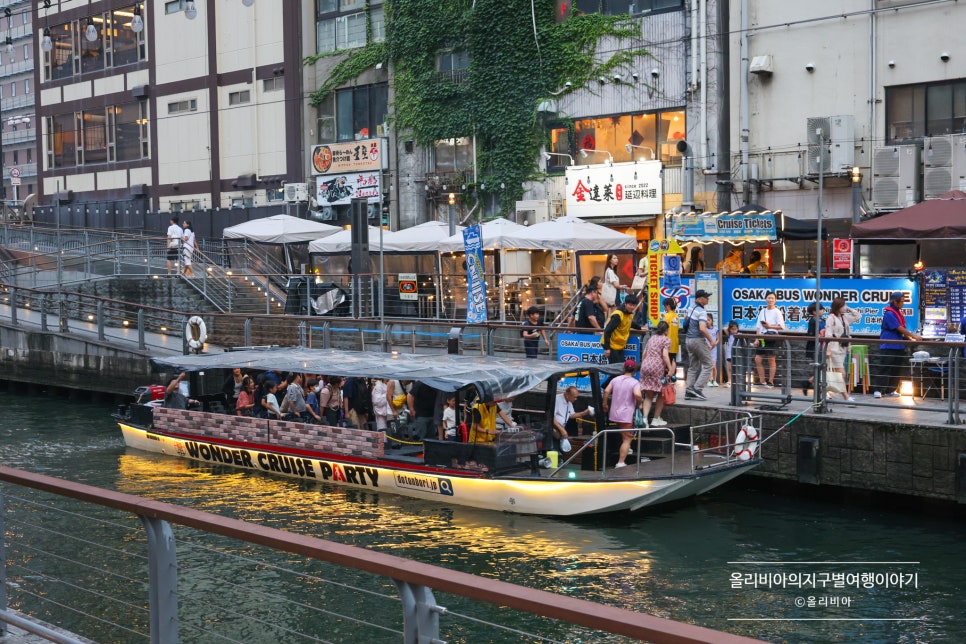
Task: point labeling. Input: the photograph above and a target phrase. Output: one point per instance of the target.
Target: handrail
(538, 602)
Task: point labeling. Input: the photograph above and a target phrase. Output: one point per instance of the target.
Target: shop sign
(340, 190)
(729, 227)
(408, 288)
(841, 254)
(352, 156)
(618, 190)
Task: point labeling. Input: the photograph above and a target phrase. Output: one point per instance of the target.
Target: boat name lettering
(425, 483)
(286, 465)
(353, 474)
(216, 454)
(280, 463)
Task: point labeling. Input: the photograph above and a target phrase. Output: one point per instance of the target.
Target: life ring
(196, 333)
(746, 443)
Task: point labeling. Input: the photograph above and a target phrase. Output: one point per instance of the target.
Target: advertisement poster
(475, 281)
(621, 189)
(841, 254)
(956, 294)
(342, 189)
(349, 157)
(742, 299)
(585, 347)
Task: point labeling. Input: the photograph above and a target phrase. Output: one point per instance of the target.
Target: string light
(137, 22)
(190, 10)
(91, 32)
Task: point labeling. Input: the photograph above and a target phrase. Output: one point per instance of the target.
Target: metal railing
(181, 594)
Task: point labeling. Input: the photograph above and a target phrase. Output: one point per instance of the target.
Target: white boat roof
(494, 378)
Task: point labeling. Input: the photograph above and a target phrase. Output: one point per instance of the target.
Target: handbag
(609, 293)
(669, 394)
(639, 420)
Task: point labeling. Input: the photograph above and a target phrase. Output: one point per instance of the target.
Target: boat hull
(532, 494)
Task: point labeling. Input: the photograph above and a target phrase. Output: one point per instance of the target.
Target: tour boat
(518, 472)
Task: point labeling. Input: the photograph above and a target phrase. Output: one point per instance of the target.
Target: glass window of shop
(94, 134)
(59, 62)
(634, 7)
(62, 136)
(658, 131)
(130, 130)
(930, 109)
(453, 155)
(126, 47)
(360, 112)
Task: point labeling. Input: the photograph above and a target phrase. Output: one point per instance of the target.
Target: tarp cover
(494, 378)
(280, 229)
(341, 242)
(941, 218)
(497, 234)
(572, 233)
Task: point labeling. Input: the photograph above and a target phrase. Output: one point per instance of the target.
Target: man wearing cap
(618, 329)
(892, 357)
(699, 341)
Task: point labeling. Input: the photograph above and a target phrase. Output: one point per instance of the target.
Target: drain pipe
(723, 77)
(703, 147)
(744, 108)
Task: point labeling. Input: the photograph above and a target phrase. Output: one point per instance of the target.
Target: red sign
(841, 254)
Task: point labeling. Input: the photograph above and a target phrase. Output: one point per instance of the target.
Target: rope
(399, 440)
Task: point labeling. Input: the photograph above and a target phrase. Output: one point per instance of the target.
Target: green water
(673, 563)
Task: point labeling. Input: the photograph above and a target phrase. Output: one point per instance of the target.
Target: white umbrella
(419, 239)
(341, 242)
(572, 233)
(498, 234)
(280, 229)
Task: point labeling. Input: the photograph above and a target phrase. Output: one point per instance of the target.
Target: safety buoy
(746, 443)
(196, 333)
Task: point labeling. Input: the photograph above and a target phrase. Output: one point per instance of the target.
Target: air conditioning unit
(296, 192)
(944, 161)
(372, 211)
(838, 151)
(533, 211)
(895, 176)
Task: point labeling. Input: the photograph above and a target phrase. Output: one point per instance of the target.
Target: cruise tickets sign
(733, 227)
(742, 299)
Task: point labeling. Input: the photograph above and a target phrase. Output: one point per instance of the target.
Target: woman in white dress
(837, 326)
(611, 285)
(187, 248)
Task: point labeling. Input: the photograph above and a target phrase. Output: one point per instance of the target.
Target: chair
(859, 373)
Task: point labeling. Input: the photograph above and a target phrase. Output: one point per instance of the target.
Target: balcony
(19, 136)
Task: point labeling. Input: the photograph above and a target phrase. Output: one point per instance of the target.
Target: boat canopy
(494, 378)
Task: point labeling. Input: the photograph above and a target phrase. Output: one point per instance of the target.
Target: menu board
(956, 295)
(934, 302)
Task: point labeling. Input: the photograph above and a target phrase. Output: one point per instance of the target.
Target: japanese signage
(742, 299)
(475, 281)
(841, 254)
(341, 189)
(615, 190)
(586, 347)
(408, 290)
(352, 156)
(739, 226)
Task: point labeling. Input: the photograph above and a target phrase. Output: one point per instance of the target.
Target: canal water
(741, 559)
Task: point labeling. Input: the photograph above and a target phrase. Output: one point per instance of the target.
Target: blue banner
(743, 298)
(724, 227)
(574, 348)
(475, 280)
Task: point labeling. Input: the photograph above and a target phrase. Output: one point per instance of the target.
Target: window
(115, 46)
(187, 105)
(115, 133)
(931, 109)
(13, 89)
(452, 64)
(275, 194)
(126, 47)
(26, 86)
(360, 112)
(62, 61)
(657, 131)
(174, 6)
(30, 155)
(273, 84)
(26, 52)
(634, 7)
(345, 24)
(15, 157)
(453, 155)
(239, 98)
(182, 206)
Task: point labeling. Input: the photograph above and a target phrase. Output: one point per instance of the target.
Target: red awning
(940, 218)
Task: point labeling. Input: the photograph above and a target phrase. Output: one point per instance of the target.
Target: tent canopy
(341, 242)
(497, 234)
(941, 218)
(280, 229)
(424, 238)
(572, 233)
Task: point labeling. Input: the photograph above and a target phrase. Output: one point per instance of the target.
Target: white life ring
(196, 333)
(746, 443)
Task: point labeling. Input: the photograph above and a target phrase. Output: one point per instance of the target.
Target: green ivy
(508, 75)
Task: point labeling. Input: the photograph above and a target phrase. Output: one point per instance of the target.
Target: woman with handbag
(625, 393)
(611, 287)
(656, 365)
(837, 326)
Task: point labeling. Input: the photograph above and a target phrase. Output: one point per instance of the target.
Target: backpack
(687, 322)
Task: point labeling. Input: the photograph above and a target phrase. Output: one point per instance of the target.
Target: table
(922, 368)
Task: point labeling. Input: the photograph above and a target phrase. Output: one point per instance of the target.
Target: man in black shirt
(586, 314)
(422, 409)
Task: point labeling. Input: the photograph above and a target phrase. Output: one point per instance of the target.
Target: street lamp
(630, 147)
(856, 194)
(547, 155)
(584, 151)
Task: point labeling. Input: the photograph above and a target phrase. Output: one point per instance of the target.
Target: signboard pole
(818, 399)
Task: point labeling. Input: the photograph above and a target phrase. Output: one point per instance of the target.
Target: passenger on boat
(422, 410)
(312, 401)
(449, 417)
(380, 403)
(357, 401)
(295, 396)
(625, 394)
(233, 387)
(330, 400)
(397, 393)
(271, 402)
(563, 412)
(483, 429)
(173, 398)
(246, 398)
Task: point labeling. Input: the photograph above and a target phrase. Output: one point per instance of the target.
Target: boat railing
(664, 434)
(726, 442)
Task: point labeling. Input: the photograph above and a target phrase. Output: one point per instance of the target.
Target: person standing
(187, 248)
(625, 393)
(814, 313)
(837, 326)
(656, 364)
(175, 233)
(697, 340)
(892, 356)
(713, 345)
(771, 321)
(586, 317)
(531, 335)
(695, 261)
(380, 403)
(732, 334)
(563, 413)
(618, 330)
(611, 286)
(757, 265)
(673, 326)
(731, 265)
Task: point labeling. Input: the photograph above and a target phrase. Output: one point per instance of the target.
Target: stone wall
(874, 456)
(347, 441)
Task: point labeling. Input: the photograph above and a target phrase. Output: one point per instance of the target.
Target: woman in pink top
(625, 391)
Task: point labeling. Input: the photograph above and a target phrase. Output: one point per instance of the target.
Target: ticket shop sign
(352, 156)
(742, 299)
